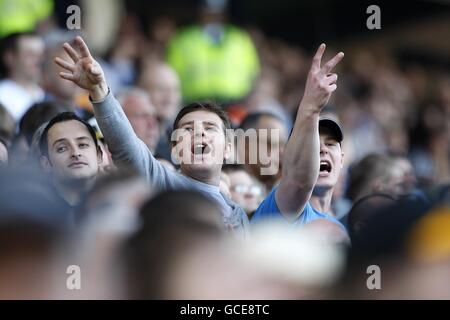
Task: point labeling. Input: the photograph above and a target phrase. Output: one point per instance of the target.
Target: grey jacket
(127, 149)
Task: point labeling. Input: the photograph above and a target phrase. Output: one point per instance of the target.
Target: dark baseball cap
(332, 124)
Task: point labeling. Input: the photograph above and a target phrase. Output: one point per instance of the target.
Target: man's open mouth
(200, 148)
(325, 166)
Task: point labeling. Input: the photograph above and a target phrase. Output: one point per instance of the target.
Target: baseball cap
(331, 123)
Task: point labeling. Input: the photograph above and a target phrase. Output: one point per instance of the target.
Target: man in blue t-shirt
(313, 156)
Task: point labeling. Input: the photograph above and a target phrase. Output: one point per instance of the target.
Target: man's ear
(342, 160)
(45, 163)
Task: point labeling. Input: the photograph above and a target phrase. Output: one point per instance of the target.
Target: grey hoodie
(127, 149)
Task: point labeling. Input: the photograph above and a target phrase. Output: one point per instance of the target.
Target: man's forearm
(125, 146)
(301, 159)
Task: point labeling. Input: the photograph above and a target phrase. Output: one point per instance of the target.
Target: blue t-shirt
(268, 209)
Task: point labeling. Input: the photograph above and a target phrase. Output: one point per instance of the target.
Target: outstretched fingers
(84, 50)
(67, 76)
(318, 57)
(332, 63)
(71, 52)
(64, 64)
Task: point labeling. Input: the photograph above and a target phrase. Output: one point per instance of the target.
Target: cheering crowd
(131, 167)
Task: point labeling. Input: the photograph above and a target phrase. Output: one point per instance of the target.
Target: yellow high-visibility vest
(224, 70)
(22, 15)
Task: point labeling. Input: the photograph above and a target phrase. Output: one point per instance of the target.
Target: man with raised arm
(203, 143)
(313, 155)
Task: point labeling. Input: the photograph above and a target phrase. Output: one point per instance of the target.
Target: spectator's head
(163, 85)
(32, 222)
(61, 89)
(35, 116)
(364, 208)
(384, 241)
(70, 150)
(376, 173)
(409, 176)
(140, 111)
(172, 223)
(270, 142)
(199, 140)
(331, 154)
(21, 56)
(244, 188)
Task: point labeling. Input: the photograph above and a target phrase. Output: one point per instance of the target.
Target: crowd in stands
(122, 164)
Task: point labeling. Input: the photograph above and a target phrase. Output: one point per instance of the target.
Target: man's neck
(205, 177)
(321, 200)
(73, 191)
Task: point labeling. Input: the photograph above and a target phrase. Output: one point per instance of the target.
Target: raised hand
(321, 83)
(83, 70)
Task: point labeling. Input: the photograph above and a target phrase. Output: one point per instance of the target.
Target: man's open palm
(83, 69)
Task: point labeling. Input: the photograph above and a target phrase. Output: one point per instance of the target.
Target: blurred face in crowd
(273, 147)
(3, 155)
(244, 191)
(271, 123)
(201, 134)
(60, 88)
(331, 159)
(409, 180)
(72, 153)
(393, 182)
(26, 62)
(141, 113)
(163, 85)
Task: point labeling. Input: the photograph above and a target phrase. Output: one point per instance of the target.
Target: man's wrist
(309, 109)
(99, 93)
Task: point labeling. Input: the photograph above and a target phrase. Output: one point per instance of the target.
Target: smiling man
(71, 155)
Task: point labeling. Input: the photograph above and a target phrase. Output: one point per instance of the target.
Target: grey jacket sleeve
(126, 148)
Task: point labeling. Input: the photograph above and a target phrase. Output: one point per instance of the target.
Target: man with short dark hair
(71, 155)
(201, 141)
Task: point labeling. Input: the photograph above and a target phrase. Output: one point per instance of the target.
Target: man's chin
(79, 178)
(324, 183)
(200, 166)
